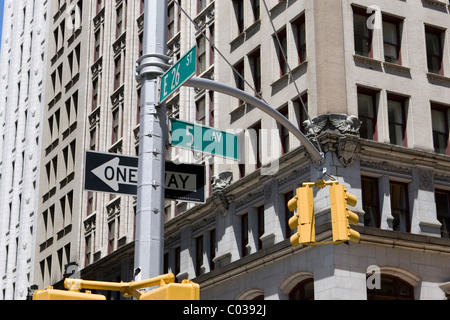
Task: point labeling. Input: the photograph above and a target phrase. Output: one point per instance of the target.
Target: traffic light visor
(292, 204)
(351, 199)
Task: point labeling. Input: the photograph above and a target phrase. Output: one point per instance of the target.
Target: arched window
(303, 291)
(391, 288)
(251, 294)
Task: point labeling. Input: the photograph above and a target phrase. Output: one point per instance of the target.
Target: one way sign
(113, 173)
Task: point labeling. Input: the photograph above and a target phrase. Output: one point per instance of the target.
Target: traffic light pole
(149, 243)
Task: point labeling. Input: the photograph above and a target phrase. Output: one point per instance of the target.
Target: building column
(423, 215)
(330, 57)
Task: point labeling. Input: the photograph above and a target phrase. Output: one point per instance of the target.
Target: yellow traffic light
(304, 219)
(341, 216)
(52, 294)
(186, 290)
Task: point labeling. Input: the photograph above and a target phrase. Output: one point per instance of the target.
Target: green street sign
(182, 71)
(204, 139)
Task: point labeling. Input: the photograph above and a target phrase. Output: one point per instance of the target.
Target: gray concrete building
(22, 71)
(374, 80)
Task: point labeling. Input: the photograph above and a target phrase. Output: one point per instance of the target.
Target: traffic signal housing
(304, 219)
(341, 216)
(187, 290)
(53, 294)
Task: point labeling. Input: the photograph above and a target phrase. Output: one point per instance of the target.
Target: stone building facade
(367, 83)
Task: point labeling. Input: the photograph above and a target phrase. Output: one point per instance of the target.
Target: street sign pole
(149, 243)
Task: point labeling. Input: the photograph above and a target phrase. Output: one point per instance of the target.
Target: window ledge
(367, 62)
(435, 3)
(438, 79)
(396, 67)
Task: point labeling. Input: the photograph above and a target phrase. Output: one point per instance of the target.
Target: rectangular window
(201, 55)
(261, 227)
(198, 255)
(90, 203)
(370, 201)
(200, 106)
(117, 72)
(367, 113)
(239, 13)
(97, 45)
(443, 211)
(99, 6)
(115, 126)
(212, 249)
(177, 267)
(397, 120)
(439, 121)
(301, 111)
(111, 236)
(239, 77)
(392, 40)
(282, 51)
(362, 34)
(201, 4)
(255, 68)
(94, 94)
(256, 9)
(87, 251)
(244, 234)
(434, 41)
(256, 143)
(400, 206)
(119, 21)
(170, 21)
(299, 28)
(284, 133)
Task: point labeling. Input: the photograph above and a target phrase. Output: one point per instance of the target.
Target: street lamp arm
(244, 96)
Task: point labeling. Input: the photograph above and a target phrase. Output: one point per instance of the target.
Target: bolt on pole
(149, 243)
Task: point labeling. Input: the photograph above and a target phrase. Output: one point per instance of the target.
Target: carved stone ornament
(336, 123)
(348, 150)
(222, 180)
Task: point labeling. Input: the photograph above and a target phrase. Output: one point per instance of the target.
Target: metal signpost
(149, 243)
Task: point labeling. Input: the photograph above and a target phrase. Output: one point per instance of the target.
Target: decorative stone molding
(338, 133)
(335, 123)
(387, 167)
(348, 150)
(426, 179)
(294, 175)
(220, 203)
(245, 200)
(268, 193)
(222, 180)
